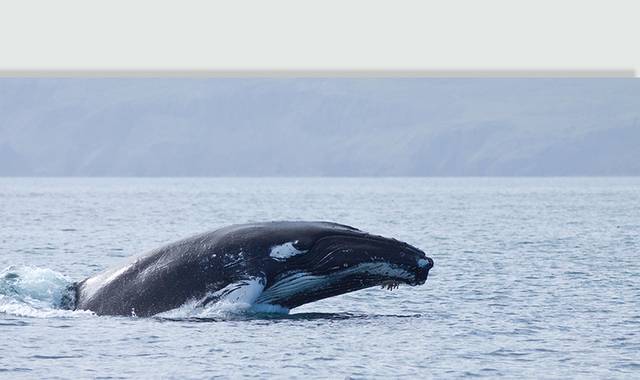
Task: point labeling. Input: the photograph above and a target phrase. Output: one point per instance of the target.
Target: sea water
(533, 277)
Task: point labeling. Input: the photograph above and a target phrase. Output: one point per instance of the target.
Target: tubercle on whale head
(352, 250)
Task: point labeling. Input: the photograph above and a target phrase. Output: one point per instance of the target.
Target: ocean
(533, 278)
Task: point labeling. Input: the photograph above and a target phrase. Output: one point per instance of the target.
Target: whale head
(331, 259)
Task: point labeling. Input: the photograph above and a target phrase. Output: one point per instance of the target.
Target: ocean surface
(533, 278)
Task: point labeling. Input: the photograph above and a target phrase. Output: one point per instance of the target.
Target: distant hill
(319, 127)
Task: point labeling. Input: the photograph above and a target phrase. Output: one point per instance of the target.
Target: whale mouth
(295, 288)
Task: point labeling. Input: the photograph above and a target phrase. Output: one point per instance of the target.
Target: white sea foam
(34, 292)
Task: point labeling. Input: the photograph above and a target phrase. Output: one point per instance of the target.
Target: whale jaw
(298, 288)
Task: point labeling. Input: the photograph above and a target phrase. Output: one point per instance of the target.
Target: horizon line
(317, 177)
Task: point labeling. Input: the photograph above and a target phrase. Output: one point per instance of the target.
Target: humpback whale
(285, 264)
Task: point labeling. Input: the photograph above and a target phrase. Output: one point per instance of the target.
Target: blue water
(533, 278)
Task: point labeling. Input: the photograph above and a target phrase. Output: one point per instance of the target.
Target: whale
(282, 264)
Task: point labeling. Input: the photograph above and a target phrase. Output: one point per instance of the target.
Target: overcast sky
(319, 127)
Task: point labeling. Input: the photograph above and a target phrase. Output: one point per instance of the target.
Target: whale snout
(413, 263)
(422, 271)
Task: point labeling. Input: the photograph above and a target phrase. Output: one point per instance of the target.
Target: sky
(319, 127)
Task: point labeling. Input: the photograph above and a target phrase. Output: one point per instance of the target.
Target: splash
(43, 293)
(35, 292)
(233, 300)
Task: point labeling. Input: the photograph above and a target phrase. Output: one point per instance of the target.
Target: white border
(237, 37)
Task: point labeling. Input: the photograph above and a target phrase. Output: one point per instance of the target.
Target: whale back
(190, 269)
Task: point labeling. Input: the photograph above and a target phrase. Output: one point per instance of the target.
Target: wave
(36, 292)
(221, 311)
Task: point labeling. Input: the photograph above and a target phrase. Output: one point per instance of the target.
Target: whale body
(285, 264)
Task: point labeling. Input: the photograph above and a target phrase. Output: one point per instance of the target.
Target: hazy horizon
(315, 127)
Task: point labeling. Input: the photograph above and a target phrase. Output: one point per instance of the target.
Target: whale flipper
(244, 291)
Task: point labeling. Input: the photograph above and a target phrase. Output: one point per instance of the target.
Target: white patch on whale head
(284, 251)
(423, 263)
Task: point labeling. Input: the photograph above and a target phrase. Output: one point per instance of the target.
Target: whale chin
(298, 288)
